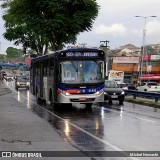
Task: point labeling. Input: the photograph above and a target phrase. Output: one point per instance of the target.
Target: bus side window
(45, 68)
(51, 67)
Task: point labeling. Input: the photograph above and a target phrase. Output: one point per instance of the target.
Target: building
(128, 59)
(131, 67)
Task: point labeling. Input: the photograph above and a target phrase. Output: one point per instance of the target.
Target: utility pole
(143, 51)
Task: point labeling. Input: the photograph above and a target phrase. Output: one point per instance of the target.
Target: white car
(8, 78)
(149, 87)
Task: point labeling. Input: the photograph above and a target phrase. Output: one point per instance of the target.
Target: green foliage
(33, 55)
(43, 24)
(150, 50)
(2, 57)
(13, 52)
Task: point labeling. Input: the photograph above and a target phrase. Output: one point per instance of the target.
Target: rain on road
(130, 127)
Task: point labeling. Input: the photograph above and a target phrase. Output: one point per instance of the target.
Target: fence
(142, 94)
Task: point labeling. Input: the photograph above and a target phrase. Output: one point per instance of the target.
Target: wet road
(130, 127)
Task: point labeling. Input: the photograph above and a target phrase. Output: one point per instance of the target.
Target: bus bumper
(81, 98)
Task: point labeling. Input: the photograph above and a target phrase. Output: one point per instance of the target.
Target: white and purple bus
(69, 76)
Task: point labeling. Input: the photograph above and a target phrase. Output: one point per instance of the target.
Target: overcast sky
(117, 23)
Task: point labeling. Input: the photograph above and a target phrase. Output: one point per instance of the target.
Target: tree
(150, 50)
(43, 24)
(2, 57)
(13, 52)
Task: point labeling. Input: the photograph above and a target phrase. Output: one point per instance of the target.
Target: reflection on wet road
(130, 127)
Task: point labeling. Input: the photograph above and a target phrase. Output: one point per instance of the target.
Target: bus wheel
(52, 103)
(89, 106)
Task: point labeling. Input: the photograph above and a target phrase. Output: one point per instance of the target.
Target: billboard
(117, 76)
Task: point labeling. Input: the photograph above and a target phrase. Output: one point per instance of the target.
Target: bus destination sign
(81, 54)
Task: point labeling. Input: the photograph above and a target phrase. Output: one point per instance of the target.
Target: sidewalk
(22, 130)
(3, 89)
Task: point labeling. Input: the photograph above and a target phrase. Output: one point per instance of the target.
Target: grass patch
(143, 102)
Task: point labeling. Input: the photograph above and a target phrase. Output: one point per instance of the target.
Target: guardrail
(144, 94)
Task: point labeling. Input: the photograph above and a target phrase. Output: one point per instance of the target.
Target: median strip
(143, 102)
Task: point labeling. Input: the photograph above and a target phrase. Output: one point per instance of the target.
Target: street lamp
(143, 44)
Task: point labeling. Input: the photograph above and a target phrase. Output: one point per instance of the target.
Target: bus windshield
(87, 71)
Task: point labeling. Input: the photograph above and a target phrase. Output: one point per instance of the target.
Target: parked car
(113, 92)
(21, 82)
(8, 78)
(149, 87)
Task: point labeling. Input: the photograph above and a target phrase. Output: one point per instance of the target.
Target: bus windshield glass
(87, 71)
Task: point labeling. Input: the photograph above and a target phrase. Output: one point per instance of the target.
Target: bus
(69, 76)
(117, 76)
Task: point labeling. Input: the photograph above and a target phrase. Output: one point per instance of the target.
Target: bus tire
(52, 103)
(37, 97)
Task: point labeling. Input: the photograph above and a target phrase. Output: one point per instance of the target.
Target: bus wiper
(74, 66)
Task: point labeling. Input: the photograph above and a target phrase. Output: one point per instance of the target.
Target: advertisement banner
(146, 57)
(155, 57)
(118, 76)
(150, 77)
(125, 59)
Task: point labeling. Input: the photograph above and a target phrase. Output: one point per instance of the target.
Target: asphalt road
(130, 127)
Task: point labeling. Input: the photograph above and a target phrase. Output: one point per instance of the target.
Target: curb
(1, 94)
(5, 91)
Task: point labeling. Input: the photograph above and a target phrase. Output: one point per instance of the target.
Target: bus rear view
(69, 76)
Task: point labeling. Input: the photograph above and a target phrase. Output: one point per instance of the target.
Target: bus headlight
(65, 93)
(98, 92)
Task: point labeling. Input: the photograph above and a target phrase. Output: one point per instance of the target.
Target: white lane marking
(93, 136)
(143, 119)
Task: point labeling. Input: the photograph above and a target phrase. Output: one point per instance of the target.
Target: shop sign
(155, 57)
(150, 76)
(125, 59)
(147, 57)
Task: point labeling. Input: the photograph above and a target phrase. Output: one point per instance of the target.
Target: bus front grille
(79, 100)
